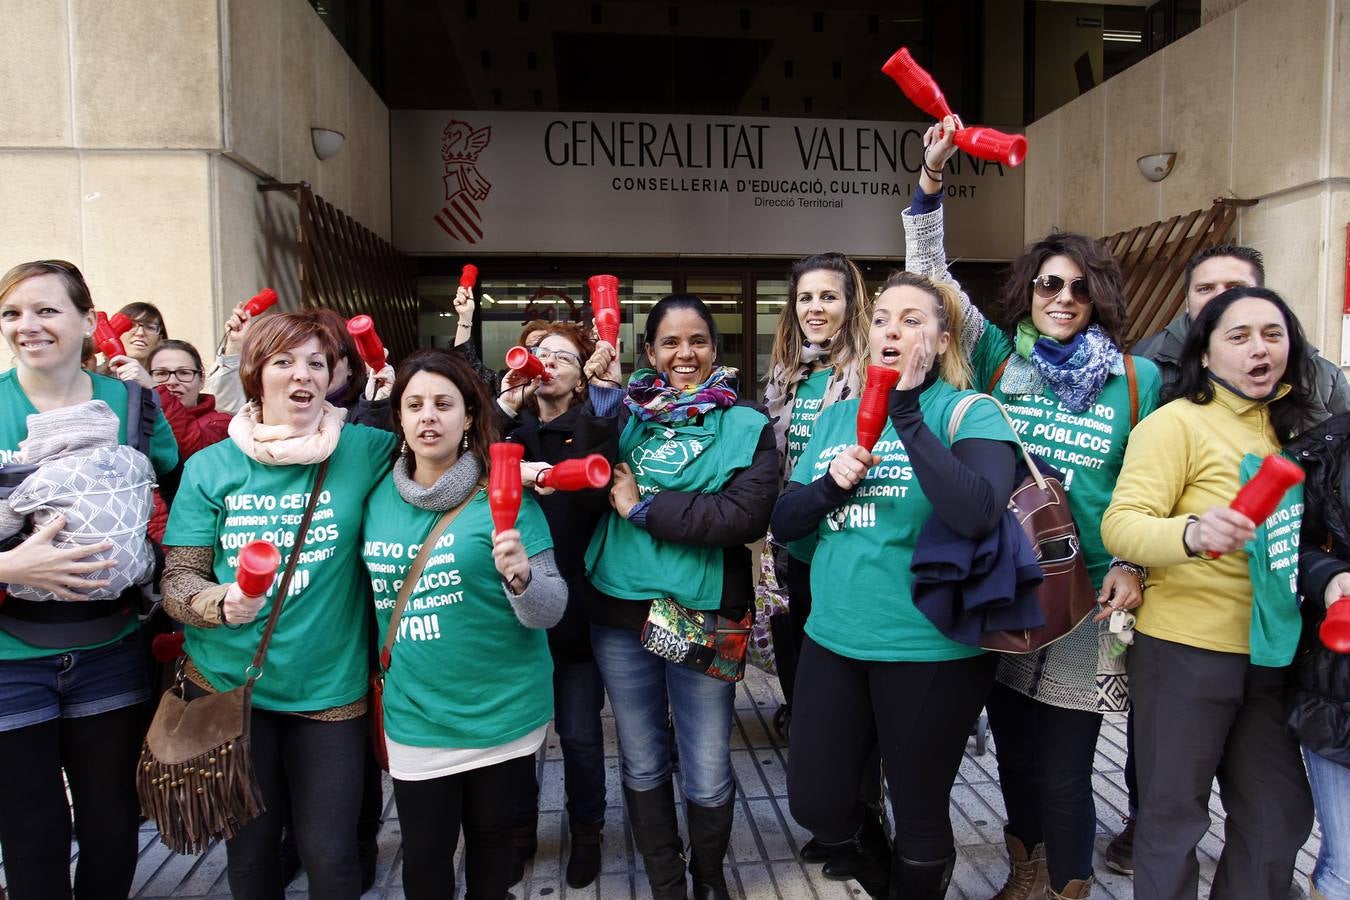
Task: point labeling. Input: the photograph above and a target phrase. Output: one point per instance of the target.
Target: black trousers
(98, 754)
(1200, 714)
(319, 768)
(431, 814)
(1045, 757)
(919, 713)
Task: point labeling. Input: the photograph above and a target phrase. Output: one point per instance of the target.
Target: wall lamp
(327, 143)
(1157, 166)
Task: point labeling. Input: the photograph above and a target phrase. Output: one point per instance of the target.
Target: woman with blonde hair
(874, 670)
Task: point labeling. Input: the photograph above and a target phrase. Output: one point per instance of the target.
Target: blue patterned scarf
(1076, 371)
(651, 398)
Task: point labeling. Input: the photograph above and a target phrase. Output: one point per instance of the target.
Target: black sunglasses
(1048, 287)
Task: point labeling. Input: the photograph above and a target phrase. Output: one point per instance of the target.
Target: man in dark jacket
(1209, 273)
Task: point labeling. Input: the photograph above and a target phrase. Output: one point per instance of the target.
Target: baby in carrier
(72, 465)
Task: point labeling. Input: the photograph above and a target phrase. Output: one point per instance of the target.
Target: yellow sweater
(1182, 460)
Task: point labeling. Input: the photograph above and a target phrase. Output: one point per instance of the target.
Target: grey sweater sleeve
(542, 603)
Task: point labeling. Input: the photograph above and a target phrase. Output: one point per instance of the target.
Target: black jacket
(1320, 699)
(572, 516)
(733, 517)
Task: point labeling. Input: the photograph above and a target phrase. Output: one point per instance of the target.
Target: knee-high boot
(657, 837)
(709, 835)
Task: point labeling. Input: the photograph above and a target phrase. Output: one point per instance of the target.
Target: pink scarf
(282, 445)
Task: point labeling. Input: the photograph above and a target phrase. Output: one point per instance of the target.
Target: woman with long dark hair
(466, 694)
(1209, 668)
(1050, 352)
(695, 484)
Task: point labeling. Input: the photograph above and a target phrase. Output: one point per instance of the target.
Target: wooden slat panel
(1153, 261)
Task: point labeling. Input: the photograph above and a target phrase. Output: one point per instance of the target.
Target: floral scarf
(1075, 371)
(652, 399)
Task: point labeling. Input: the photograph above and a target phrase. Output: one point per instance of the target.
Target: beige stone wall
(1256, 105)
(133, 135)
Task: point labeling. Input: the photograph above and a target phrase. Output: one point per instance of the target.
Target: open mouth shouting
(302, 398)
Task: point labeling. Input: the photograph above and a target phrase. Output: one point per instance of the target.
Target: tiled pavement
(762, 859)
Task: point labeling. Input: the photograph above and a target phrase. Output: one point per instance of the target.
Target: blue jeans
(645, 691)
(74, 684)
(578, 698)
(1330, 783)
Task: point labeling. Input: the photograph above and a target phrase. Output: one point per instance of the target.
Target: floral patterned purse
(701, 640)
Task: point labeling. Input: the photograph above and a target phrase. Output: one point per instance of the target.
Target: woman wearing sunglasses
(1052, 356)
(569, 416)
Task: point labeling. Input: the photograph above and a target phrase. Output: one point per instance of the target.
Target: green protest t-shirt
(464, 672)
(625, 561)
(806, 405)
(860, 579)
(1088, 447)
(318, 658)
(15, 408)
(1272, 561)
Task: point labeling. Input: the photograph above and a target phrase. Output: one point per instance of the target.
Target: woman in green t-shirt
(874, 670)
(1053, 358)
(696, 484)
(73, 677)
(468, 689)
(308, 722)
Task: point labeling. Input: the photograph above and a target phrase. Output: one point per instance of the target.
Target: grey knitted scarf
(448, 491)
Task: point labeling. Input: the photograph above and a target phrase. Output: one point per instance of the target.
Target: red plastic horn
(1258, 498)
(368, 343)
(992, 144)
(872, 409)
(920, 87)
(121, 323)
(260, 302)
(468, 276)
(526, 365)
(257, 569)
(576, 474)
(605, 306)
(504, 484)
(923, 91)
(105, 338)
(1335, 628)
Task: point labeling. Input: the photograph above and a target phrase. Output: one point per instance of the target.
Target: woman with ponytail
(1052, 356)
(874, 670)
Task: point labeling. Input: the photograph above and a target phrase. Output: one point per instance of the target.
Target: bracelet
(1190, 520)
(1139, 572)
(463, 324)
(935, 174)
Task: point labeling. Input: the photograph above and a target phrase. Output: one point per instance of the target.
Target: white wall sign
(469, 183)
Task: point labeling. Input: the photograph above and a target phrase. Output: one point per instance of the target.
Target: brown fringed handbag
(195, 774)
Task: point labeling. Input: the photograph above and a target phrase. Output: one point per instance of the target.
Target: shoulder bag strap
(414, 572)
(254, 671)
(959, 413)
(1133, 384)
(998, 373)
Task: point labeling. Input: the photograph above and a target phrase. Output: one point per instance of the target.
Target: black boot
(657, 837)
(583, 862)
(847, 860)
(524, 845)
(867, 858)
(912, 880)
(709, 835)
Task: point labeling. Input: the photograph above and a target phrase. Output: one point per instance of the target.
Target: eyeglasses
(148, 327)
(1048, 287)
(563, 356)
(182, 375)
